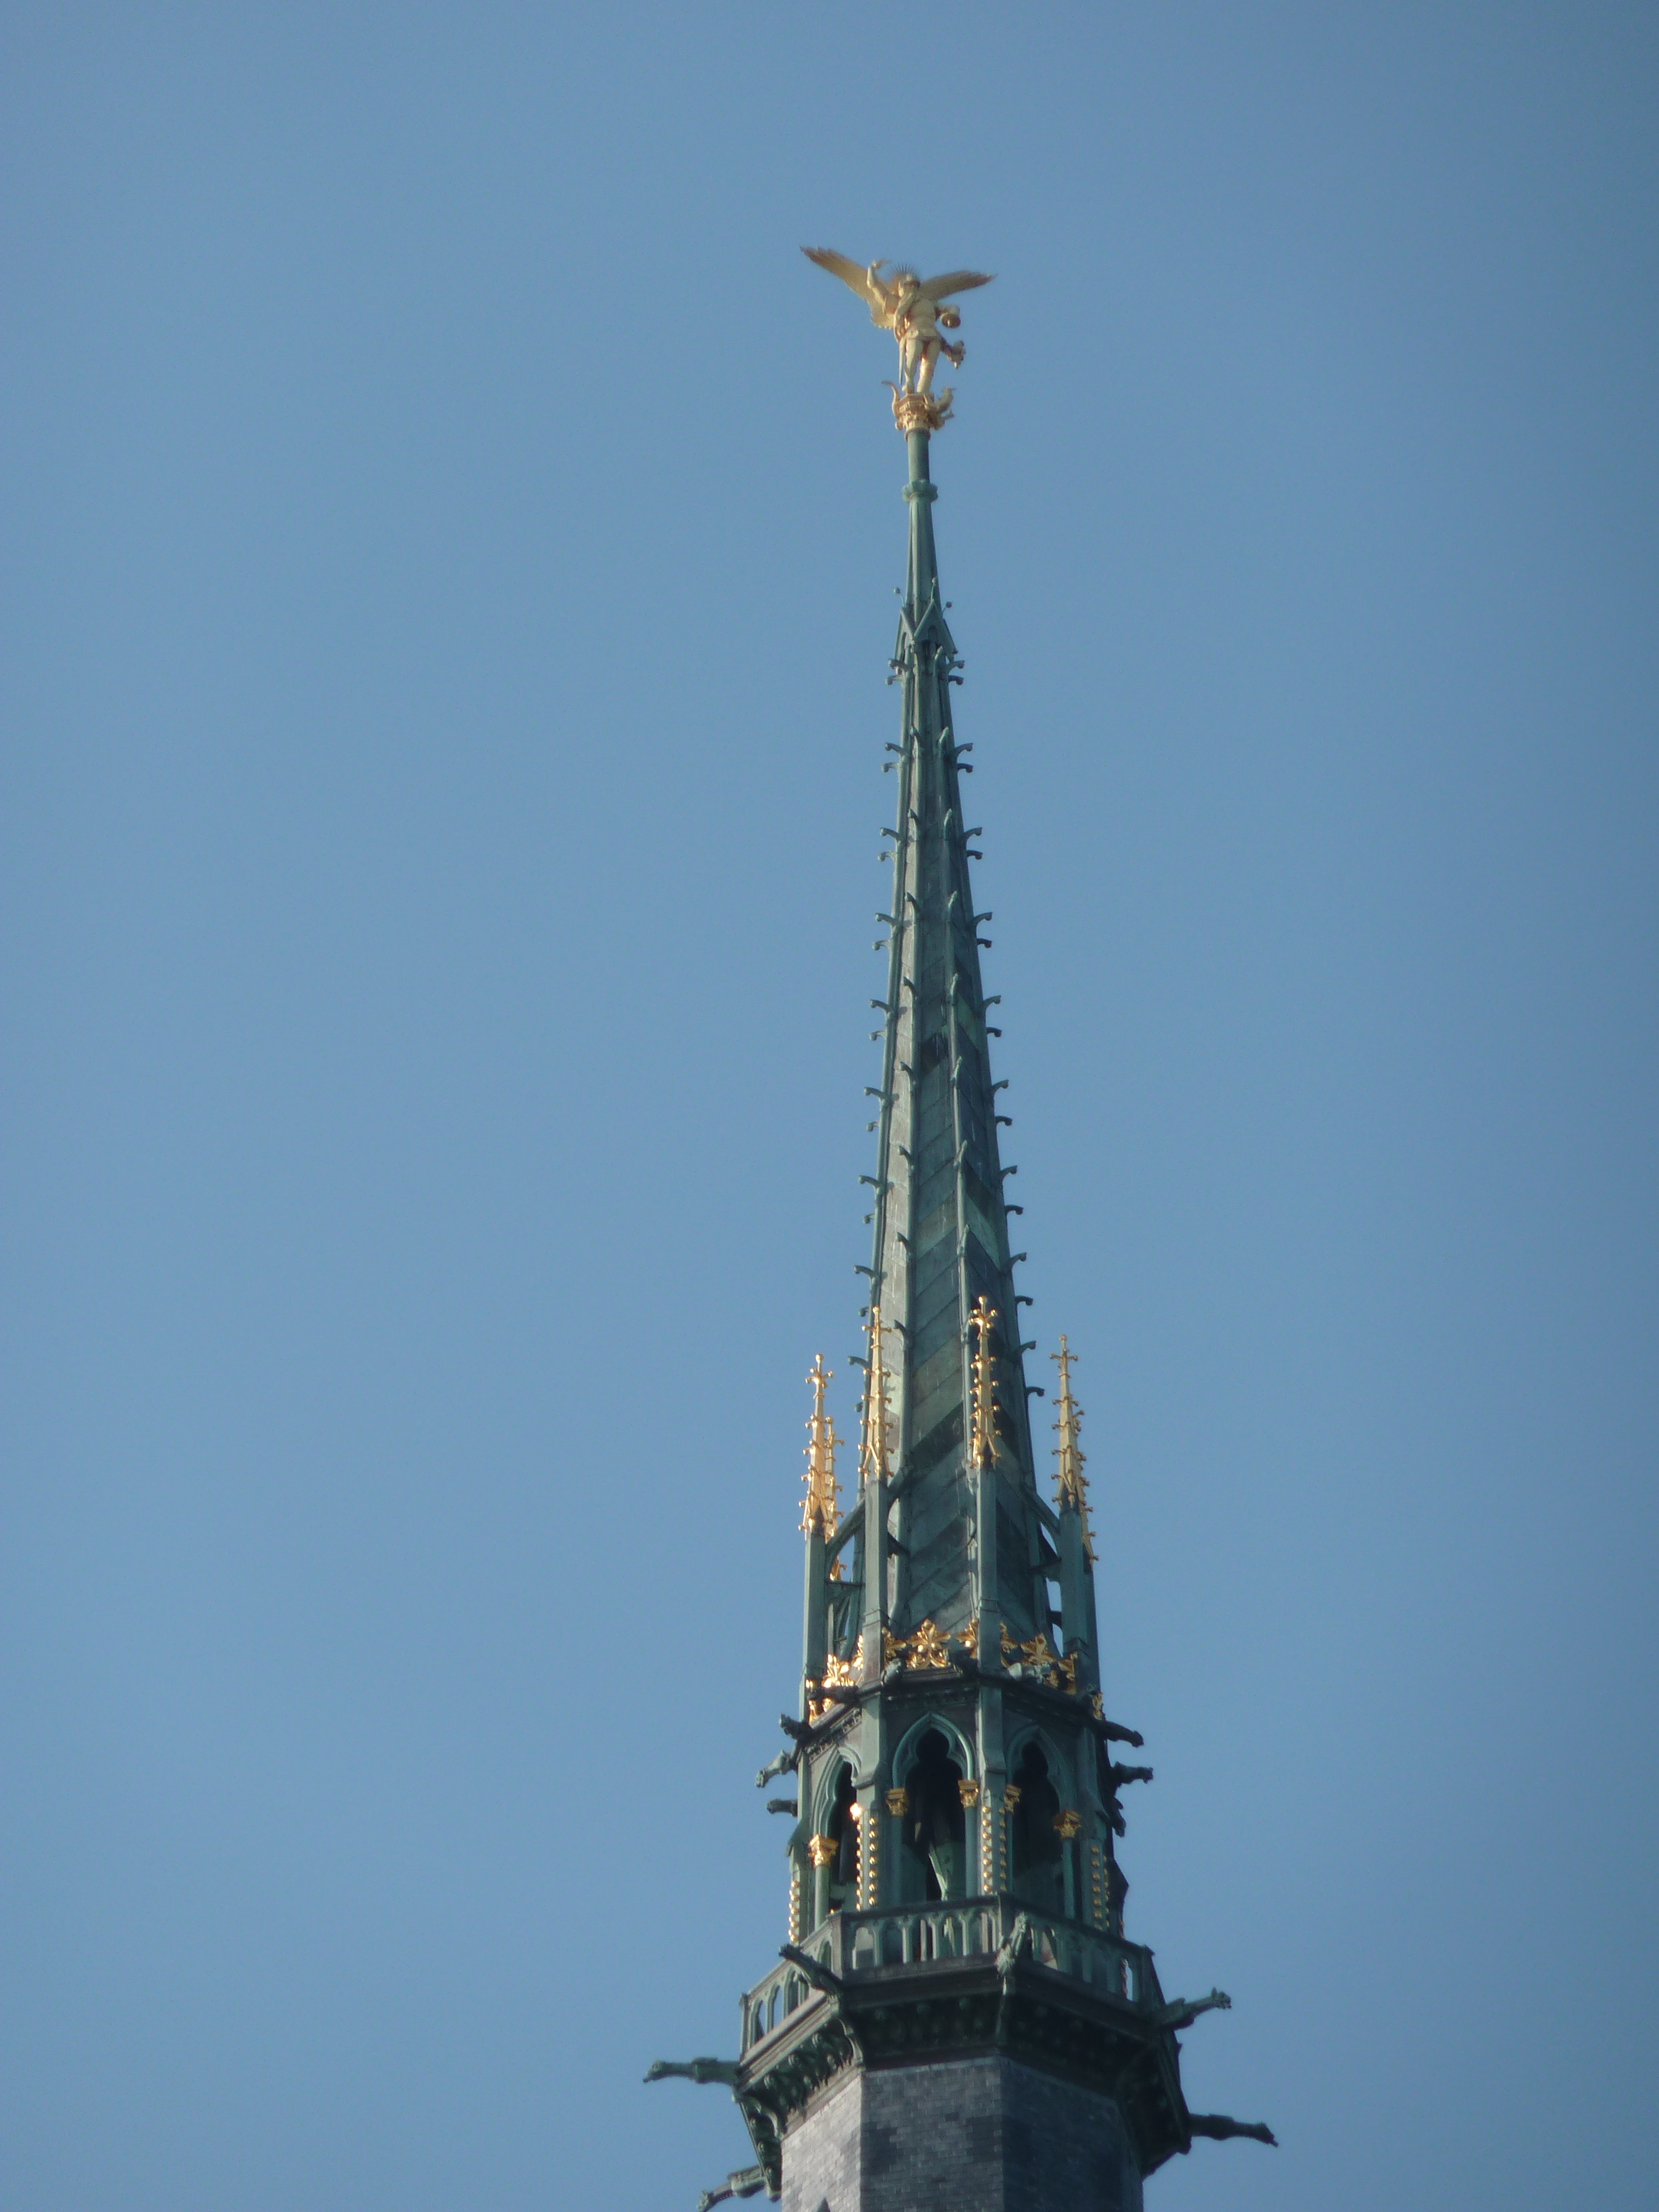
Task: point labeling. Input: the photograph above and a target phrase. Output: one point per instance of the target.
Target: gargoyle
(1181, 2011)
(820, 1977)
(789, 1805)
(785, 1763)
(1114, 1733)
(748, 2183)
(1119, 1775)
(798, 1732)
(724, 2070)
(1220, 2129)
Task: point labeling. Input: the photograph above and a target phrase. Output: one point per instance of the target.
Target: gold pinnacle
(875, 1462)
(1072, 1491)
(821, 1508)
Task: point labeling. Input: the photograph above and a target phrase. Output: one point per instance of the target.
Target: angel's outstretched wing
(940, 287)
(879, 300)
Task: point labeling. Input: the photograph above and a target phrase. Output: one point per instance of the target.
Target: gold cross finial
(985, 1442)
(821, 1509)
(874, 1460)
(1072, 1491)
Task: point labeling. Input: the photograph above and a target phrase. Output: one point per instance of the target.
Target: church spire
(973, 1538)
(956, 1906)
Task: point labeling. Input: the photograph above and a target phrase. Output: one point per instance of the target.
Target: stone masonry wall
(979, 2135)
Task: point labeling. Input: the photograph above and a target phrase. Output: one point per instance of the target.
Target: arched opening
(934, 1824)
(842, 1829)
(1038, 1853)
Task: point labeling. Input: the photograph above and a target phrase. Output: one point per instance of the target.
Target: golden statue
(910, 307)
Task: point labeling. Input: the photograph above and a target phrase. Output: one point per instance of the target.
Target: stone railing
(853, 1945)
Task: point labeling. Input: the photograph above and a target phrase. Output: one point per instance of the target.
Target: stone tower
(958, 2021)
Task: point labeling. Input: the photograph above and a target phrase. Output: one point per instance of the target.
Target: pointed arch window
(842, 1828)
(935, 1824)
(1037, 1852)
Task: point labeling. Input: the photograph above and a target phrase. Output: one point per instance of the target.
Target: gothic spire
(954, 1890)
(971, 1535)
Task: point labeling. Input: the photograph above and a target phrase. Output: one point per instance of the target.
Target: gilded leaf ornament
(985, 1442)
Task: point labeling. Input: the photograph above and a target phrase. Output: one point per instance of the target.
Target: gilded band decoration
(929, 1647)
(1037, 1657)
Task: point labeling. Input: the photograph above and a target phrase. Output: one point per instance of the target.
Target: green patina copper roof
(941, 1224)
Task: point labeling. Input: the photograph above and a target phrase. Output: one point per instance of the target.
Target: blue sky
(448, 593)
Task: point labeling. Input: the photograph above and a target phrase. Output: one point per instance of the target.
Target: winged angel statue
(910, 307)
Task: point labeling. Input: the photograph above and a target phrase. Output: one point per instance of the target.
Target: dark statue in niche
(935, 1825)
(842, 1828)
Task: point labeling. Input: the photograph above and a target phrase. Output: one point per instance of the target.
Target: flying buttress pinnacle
(820, 1507)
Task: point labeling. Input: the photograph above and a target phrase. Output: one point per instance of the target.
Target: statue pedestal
(921, 411)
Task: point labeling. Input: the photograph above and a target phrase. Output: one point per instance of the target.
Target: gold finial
(985, 1442)
(874, 1460)
(1072, 1491)
(821, 1509)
